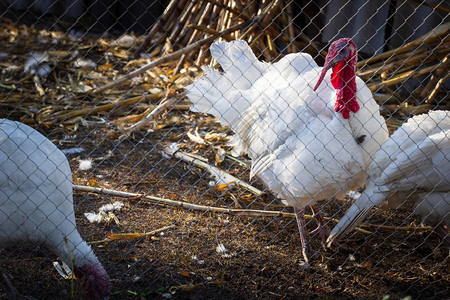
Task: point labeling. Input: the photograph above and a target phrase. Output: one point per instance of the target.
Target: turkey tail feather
(353, 216)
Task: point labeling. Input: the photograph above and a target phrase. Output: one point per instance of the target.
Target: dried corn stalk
(266, 25)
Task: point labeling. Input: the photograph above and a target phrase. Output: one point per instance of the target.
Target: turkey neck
(80, 251)
(343, 80)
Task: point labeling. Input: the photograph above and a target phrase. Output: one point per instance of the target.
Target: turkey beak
(331, 60)
(325, 68)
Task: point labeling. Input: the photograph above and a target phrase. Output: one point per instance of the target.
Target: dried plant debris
(126, 126)
(49, 83)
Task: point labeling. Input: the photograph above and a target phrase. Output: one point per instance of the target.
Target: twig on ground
(221, 176)
(130, 236)
(102, 108)
(166, 103)
(235, 211)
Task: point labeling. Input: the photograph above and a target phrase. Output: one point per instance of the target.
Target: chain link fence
(168, 208)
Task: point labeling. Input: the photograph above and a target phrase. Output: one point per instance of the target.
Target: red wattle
(343, 80)
(336, 79)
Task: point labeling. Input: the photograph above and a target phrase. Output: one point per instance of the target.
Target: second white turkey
(36, 203)
(413, 165)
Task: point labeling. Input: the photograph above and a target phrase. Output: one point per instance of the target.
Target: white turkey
(36, 203)
(306, 142)
(413, 165)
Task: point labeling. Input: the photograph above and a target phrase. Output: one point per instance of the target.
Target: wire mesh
(159, 194)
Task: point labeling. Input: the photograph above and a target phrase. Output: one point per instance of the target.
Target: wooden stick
(393, 58)
(211, 31)
(220, 26)
(128, 236)
(180, 27)
(439, 46)
(430, 51)
(235, 211)
(272, 13)
(66, 241)
(434, 80)
(291, 30)
(213, 21)
(438, 87)
(159, 43)
(412, 60)
(168, 101)
(195, 19)
(172, 203)
(156, 27)
(438, 33)
(403, 77)
(407, 110)
(102, 108)
(226, 17)
(216, 172)
(267, 10)
(239, 14)
(193, 34)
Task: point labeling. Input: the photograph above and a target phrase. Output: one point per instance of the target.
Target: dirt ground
(262, 257)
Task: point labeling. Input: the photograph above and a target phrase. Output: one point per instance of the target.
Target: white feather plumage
(300, 147)
(36, 202)
(413, 165)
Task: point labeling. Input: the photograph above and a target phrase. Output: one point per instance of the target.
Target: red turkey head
(94, 280)
(342, 57)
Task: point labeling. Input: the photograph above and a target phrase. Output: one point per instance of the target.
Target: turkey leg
(322, 228)
(300, 216)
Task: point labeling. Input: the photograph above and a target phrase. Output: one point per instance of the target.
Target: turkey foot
(306, 251)
(322, 228)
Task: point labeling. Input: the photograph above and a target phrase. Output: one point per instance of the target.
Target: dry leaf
(196, 138)
(105, 67)
(121, 53)
(184, 273)
(224, 187)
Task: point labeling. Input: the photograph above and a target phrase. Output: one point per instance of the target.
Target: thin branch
(263, 13)
(129, 236)
(221, 176)
(438, 87)
(102, 108)
(157, 26)
(231, 211)
(210, 31)
(166, 103)
(403, 77)
(414, 59)
(439, 32)
(240, 14)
